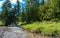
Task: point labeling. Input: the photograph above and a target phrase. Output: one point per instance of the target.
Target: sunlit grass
(44, 28)
(1, 23)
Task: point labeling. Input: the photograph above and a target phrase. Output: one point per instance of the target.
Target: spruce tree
(17, 7)
(5, 11)
(32, 8)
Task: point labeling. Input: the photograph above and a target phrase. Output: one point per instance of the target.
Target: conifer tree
(6, 7)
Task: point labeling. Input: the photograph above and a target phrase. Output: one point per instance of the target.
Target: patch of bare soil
(32, 35)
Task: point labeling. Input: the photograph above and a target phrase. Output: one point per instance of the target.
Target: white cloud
(21, 0)
(14, 1)
(1, 2)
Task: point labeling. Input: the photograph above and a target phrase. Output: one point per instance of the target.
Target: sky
(13, 2)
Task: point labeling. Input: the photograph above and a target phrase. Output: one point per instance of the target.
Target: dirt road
(12, 32)
(16, 32)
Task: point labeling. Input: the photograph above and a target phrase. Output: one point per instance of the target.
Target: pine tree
(17, 7)
(32, 8)
(6, 7)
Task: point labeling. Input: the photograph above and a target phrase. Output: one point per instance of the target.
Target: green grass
(21, 23)
(1, 23)
(44, 28)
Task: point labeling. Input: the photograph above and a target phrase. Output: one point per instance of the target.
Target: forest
(37, 16)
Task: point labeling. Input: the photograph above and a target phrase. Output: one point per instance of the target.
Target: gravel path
(12, 32)
(16, 32)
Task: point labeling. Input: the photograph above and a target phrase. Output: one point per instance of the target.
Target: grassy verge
(44, 28)
(0, 23)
